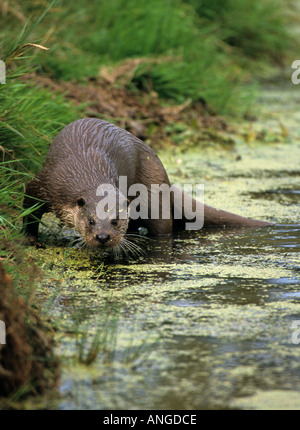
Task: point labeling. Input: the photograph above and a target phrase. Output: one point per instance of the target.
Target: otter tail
(206, 216)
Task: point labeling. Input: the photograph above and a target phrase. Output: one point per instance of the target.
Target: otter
(91, 152)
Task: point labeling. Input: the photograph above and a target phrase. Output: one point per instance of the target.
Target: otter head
(101, 222)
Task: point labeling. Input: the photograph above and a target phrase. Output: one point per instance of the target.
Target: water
(210, 328)
(206, 319)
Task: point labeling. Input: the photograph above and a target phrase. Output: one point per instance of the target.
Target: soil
(142, 113)
(27, 359)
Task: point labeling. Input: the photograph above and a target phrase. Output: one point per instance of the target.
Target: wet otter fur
(90, 152)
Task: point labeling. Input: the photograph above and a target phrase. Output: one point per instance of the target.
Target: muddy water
(203, 320)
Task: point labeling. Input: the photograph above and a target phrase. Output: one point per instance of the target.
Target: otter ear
(81, 201)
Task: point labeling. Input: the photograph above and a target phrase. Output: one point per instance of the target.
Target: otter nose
(102, 237)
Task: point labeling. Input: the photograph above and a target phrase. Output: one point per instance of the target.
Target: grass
(255, 28)
(189, 59)
(204, 47)
(12, 191)
(100, 338)
(103, 339)
(29, 118)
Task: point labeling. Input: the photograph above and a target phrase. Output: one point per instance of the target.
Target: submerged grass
(100, 339)
(104, 335)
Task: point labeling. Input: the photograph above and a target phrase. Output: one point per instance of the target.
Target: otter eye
(81, 201)
(114, 222)
(91, 222)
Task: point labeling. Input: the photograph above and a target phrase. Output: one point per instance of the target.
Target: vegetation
(254, 29)
(200, 47)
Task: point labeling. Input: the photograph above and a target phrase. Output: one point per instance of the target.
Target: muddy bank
(27, 362)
